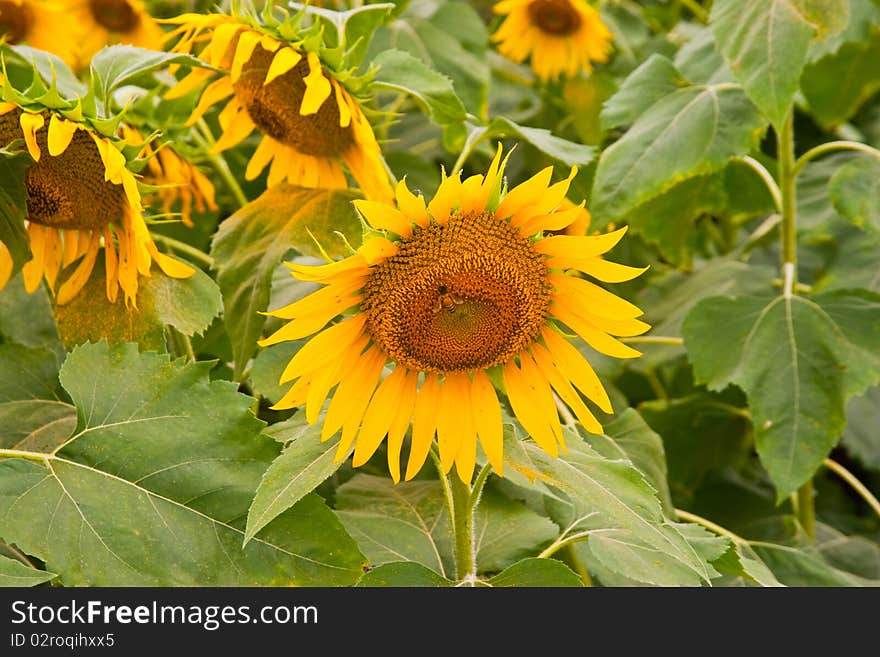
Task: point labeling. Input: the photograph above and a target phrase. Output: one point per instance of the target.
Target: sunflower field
(529, 293)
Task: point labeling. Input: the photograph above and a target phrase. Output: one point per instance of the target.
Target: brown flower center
(114, 15)
(466, 295)
(15, 21)
(67, 191)
(556, 17)
(274, 109)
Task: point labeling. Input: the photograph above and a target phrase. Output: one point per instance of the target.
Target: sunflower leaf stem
(696, 9)
(22, 454)
(477, 487)
(806, 509)
(184, 248)
(766, 177)
(206, 140)
(854, 483)
(564, 541)
(21, 556)
(830, 147)
(463, 527)
(653, 339)
(474, 137)
(570, 557)
(183, 345)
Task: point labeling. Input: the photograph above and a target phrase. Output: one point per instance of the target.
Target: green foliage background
(732, 136)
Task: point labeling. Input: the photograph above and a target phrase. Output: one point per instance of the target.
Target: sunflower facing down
(560, 36)
(39, 24)
(465, 285)
(310, 124)
(80, 197)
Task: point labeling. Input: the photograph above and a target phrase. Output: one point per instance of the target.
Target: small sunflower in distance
(310, 124)
(469, 284)
(81, 196)
(560, 36)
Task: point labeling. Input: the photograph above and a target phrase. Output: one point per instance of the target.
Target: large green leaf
(301, 467)
(27, 318)
(568, 152)
(35, 424)
(180, 457)
(187, 304)
(798, 360)
(655, 78)
(862, 420)
(400, 71)
(537, 572)
(453, 41)
(607, 496)
(689, 132)
(15, 573)
(836, 86)
(855, 191)
(13, 206)
(407, 521)
(249, 245)
(766, 42)
(28, 373)
(402, 573)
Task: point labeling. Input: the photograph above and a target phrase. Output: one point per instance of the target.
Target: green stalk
(463, 528)
(806, 509)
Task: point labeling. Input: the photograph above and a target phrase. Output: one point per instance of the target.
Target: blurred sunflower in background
(39, 24)
(81, 196)
(462, 292)
(557, 36)
(310, 124)
(173, 178)
(99, 23)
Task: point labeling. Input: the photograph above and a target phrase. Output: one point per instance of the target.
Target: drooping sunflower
(560, 36)
(99, 23)
(81, 196)
(460, 291)
(39, 24)
(174, 178)
(309, 122)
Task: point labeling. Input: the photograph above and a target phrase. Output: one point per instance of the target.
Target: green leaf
(765, 43)
(402, 573)
(304, 463)
(537, 573)
(508, 531)
(568, 152)
(117, 65)
(187, 304)
(853, 265)
(51, 70)
(393, 522)
(606, 495)
(700, 62)
(27, 318)
(35, 425)
(855, 191)
(250, 244)
(15, 574)
(452, 41)
(400, 71)
(268, 365)
(863, 418)
(797, 359)
(838, 85)
(690, 132)
(180, 457)
(28, 373)
(656, 78)
(628, 436)
(804, 566)
(13, 206)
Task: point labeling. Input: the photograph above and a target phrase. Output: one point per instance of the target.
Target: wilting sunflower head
(176, 181)
(310, 124)
(465, 290)
(38, 24)
(81, 196)
(560, 36)
(99, 23)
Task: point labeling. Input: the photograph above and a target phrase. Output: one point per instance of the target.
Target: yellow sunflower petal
(569, 246)
(574, 367)
(487, 419)
(384, 217)
(342, 104)
(213, 94)
(412, 206)
(61, 134)
(597, 339)
(377, 419)
(317, 87)
(32, 272)
(247, 42)
(425, 417)
(544, 361)
(525, 193)
(284, 60)
(30, 123)
(324, 347)
(71, 287)
(455, 429)
(376, 249)
(577, 293)
(522, 395)
(400, 422)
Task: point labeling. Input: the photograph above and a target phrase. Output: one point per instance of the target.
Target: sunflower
(310, 124)
(175, 178)
(80, 196)
(459, 292)
(561, 36)
(38, 24)
(99, 23)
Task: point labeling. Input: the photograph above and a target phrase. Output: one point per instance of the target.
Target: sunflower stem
(830, 147)
(853, 481)
(463, 528)
(184, 248)
(206, 140)
(653, 339)
(806, 509)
